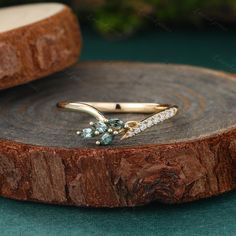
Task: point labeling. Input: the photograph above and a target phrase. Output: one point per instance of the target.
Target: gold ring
(107, 129)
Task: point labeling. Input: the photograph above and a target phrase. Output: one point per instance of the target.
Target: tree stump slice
(188, 157)
(36, 40)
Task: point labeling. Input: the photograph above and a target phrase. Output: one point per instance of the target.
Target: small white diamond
(145, 122)
(149, 124)
(142, 127)
(168, 114)
(158, 119)
(136, 131)
(153, 120)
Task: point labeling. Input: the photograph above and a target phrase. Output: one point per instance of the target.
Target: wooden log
(35, 41)
(189, 157)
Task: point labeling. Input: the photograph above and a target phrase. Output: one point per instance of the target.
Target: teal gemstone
(101, 127)
(106, 139)
(116, 123)
(87, 133)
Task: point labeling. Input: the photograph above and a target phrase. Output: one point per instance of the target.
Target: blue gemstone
(106, 139)
(116, 123)
(87, 133)
(101, 127)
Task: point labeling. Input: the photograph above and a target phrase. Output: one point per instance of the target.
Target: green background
(213, 48)
(213, 217)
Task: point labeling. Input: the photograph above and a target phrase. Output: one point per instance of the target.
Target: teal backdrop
(210, 217)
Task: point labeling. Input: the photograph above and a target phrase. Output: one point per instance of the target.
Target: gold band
(112, 107)
(83, 107)
(116, 126)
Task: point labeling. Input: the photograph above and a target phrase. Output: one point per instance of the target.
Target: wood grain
(189, 157)
(38, 48)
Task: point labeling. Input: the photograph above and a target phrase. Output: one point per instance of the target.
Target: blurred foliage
(119, 18)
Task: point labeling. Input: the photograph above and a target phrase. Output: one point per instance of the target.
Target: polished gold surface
(83, 107)
(119, 107)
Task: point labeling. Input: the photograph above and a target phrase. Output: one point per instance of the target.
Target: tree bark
(46, 40)
(186, 158)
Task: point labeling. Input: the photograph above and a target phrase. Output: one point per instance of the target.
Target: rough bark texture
(39, 49)
(190, 157)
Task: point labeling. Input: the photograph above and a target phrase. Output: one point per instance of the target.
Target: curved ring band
(109, 128)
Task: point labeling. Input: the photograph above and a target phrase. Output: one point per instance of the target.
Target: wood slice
(186, 158)
(36, 40)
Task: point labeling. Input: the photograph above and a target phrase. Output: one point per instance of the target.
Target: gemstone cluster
(106, 130)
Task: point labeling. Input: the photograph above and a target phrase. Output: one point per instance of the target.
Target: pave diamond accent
(152, 120)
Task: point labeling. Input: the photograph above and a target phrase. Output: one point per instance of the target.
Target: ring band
(109, 128)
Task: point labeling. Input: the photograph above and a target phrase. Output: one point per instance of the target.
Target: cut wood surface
(188, 157)
(36, 40)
